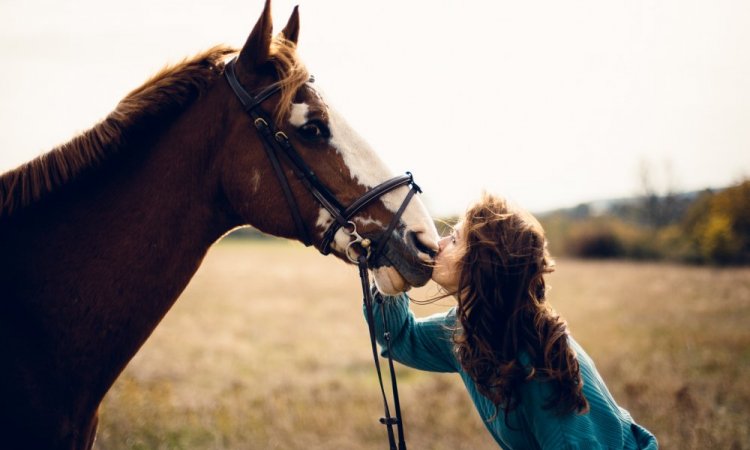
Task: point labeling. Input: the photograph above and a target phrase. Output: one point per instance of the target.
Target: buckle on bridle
(281, 136)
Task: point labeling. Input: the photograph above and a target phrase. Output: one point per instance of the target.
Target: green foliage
(711, 228)
(599, 237)
(708, 228)
(718, 226)
(594, 239)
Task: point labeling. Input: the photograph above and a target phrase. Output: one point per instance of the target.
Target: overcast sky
(548, 102)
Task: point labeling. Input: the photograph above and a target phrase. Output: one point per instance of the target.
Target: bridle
(277, 145)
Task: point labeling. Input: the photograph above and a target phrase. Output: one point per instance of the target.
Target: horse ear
(257, 47)
(291, 30)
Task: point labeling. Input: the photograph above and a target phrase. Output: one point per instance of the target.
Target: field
(267, 349)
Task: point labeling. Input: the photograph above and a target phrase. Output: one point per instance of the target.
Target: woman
(531, 382)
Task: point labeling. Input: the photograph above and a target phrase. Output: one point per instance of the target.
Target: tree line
(707, 227)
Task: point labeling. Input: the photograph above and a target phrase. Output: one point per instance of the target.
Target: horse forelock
(291, 71)
(147, 107)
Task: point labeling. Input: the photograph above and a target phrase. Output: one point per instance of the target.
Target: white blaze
(298, 114)
(368, 170)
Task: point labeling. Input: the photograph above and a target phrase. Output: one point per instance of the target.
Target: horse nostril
(413, 239)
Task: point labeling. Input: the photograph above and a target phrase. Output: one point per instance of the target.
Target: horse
(99, 236)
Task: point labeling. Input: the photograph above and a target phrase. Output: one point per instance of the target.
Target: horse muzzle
(407, 255)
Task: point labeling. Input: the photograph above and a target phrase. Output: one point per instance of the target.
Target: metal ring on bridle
(364, 243)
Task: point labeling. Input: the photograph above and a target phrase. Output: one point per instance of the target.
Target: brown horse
(100, 236)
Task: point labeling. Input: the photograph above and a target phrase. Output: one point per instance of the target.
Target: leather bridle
(277, 145)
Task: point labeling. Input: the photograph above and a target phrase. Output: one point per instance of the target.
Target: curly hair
(503, 312)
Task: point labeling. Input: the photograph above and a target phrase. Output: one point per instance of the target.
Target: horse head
(293, 110)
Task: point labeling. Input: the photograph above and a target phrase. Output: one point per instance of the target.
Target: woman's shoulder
(588, 368)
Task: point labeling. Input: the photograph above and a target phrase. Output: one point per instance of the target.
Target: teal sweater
(426, 344)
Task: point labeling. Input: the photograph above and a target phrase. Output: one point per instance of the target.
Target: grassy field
(267, 349)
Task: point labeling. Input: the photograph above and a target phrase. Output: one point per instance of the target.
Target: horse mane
(164, 95)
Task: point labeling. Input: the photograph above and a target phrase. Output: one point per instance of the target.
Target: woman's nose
(441, 243)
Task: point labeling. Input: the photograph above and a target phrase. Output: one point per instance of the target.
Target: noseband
(277, 143)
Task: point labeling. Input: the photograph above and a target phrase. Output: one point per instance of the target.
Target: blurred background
(622, 125)
(550, 103)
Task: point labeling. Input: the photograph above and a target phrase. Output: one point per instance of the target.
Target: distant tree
(594, 239)
(581, 211)
(718, 226)
(658, 207)
(650, 201)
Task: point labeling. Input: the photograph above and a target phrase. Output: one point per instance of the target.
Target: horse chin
(389, 281)
(399, 268)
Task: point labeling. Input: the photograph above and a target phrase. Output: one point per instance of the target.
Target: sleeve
(424, 344)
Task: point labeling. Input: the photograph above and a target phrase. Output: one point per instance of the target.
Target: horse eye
(314, 130)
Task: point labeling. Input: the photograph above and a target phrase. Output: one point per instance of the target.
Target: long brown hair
(503, 312)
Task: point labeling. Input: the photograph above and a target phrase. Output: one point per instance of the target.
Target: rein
(387, 420)
(276, 143)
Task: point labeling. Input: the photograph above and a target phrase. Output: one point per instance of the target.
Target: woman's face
(451, 249)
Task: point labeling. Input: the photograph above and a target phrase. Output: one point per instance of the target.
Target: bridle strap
(394, 385)
(377, 192)
(367, 294)
(251, 105)
(391, 226)
(387, 420)
(248, 101)
(373, 194)
(265, 133)
(310, 180)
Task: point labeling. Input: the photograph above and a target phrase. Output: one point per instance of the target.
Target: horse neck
(99, 265)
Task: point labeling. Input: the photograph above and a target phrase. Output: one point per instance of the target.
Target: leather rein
(277, 146)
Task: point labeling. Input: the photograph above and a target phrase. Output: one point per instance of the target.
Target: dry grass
(267, 349)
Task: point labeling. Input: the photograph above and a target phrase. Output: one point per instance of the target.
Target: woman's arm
(424, 344)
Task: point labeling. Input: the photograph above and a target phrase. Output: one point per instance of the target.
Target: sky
(549, 103)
